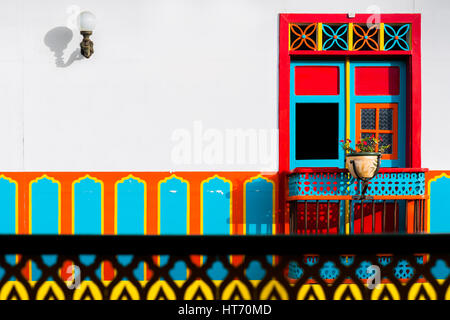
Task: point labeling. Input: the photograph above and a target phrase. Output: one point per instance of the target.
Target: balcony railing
(322, 200)
(371, 267)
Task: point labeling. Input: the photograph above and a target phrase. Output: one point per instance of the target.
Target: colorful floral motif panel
(349, 37)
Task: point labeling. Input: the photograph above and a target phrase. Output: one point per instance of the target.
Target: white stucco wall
(161, 65)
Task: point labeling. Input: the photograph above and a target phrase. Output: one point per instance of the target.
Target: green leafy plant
(367, 144)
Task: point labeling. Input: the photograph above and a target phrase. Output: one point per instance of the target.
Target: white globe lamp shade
(86, 21)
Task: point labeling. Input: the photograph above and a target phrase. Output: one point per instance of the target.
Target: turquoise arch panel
(258, 217)
(294, 99)
(439, 205)
(439, 218)
(8, 194)
(173, 214)
(88, 212)
(216, 207)
(131, 206)
(216, 195)
(8, 201)
(88, 207)
(44, 214)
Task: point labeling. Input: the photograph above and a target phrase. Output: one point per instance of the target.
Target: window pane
(368, 119)
(317, 131)
(387, 139)
(365, 135)
(386, 119)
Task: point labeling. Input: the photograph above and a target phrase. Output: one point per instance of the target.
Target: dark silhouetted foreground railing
(327, 215)
(225, 267)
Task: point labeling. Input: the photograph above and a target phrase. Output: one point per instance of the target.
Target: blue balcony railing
(322, 200)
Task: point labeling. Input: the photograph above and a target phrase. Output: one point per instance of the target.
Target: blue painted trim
(340, 99)
(400, 99)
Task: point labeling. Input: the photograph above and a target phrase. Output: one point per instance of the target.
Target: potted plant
(364, 161)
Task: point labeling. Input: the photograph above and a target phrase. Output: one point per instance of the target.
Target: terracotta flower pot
(366, 164)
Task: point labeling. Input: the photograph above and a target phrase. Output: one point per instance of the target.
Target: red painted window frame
(413, 101)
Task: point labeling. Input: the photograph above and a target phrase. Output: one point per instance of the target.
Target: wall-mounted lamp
(86, 21)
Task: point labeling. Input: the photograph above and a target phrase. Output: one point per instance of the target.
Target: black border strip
(216, 245)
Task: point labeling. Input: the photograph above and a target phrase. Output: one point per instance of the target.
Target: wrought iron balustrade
(322, 200)
(227, 267)
(339, 182)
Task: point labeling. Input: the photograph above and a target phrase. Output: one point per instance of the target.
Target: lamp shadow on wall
(57, 40)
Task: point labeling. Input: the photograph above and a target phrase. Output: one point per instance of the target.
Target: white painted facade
(161, 65)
